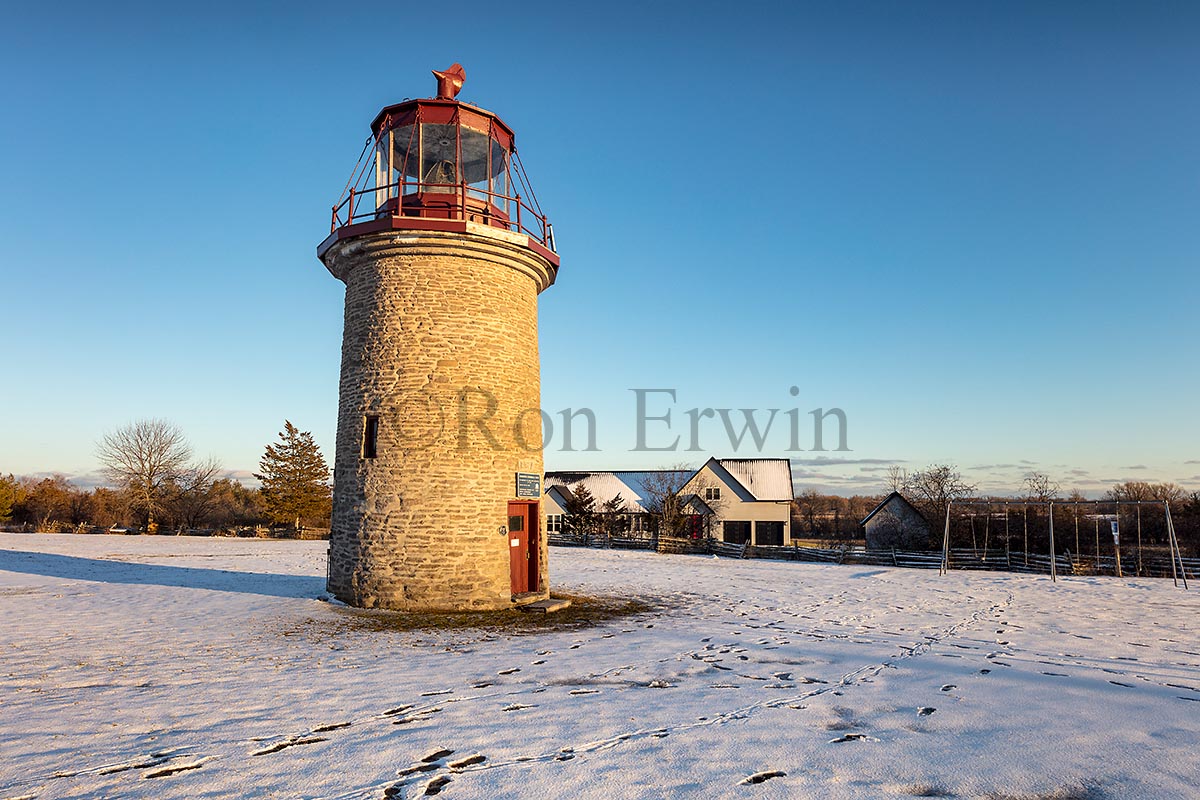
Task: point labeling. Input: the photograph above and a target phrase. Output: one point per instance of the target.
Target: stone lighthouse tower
(438, 468)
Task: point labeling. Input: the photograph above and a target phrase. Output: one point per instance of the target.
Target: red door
(523, 541)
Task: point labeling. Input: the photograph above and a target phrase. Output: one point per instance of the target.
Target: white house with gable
(751, 499)
(733, 500)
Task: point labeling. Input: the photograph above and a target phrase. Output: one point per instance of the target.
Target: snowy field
(160, 667)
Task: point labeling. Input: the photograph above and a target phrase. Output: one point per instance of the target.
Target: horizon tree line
(157, 483)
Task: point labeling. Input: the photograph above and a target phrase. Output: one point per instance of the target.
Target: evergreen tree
(580, 518)
(295, 478)
(11, 495)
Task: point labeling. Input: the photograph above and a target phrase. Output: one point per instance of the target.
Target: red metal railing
(458, 201)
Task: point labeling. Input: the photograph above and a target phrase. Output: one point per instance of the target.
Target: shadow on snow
(53, 565)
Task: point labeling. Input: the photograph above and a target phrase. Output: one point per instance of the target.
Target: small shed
(896, 523)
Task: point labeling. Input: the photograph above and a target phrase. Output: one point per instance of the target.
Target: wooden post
(1117, 539)
(1077, 550)
(1139, 537)
(987, 519)
(1007, 551)
(1053, 559)
(1175, 545)
(946, 544)
(1025, 517)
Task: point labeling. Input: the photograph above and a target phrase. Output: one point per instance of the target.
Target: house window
(370, 442)
(712, 493)
(554, 523)
(735, 532)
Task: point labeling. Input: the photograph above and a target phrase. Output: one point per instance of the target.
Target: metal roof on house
(604, 486)
(765, 478)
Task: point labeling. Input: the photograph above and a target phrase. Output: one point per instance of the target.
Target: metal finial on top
(450, 82)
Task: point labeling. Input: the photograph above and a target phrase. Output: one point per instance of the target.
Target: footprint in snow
(759, 777)
(509, 671)
(469, 761)
(853, 737)
(417, 768)
(517, 707)
(416, 716)
(948, 687)
(925, 711)
(436, 785)
(285, 744)
(165, 771)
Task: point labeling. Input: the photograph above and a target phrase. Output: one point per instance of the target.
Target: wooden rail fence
(960, 558)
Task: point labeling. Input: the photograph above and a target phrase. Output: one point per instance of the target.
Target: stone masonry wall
(439, 328)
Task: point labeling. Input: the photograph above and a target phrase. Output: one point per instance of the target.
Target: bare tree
(663, 489)
(932, 488)
(1141, 490)
(810, 506)
(1040, 488)
(192, 500)
(145, 457)
(668, 492)
(897, 479)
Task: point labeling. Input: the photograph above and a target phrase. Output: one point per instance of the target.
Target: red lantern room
(439, 164)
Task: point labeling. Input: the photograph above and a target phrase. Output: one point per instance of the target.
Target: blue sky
(971, 226)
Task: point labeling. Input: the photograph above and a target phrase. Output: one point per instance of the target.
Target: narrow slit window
(370, 444)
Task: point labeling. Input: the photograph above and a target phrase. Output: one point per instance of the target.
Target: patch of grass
(585, 611)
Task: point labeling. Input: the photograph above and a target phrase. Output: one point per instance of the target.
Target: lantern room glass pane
(405, 164)
(476, 146)
(499, 170)
(439, 157)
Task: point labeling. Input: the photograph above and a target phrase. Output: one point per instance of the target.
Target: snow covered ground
(162, 667)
